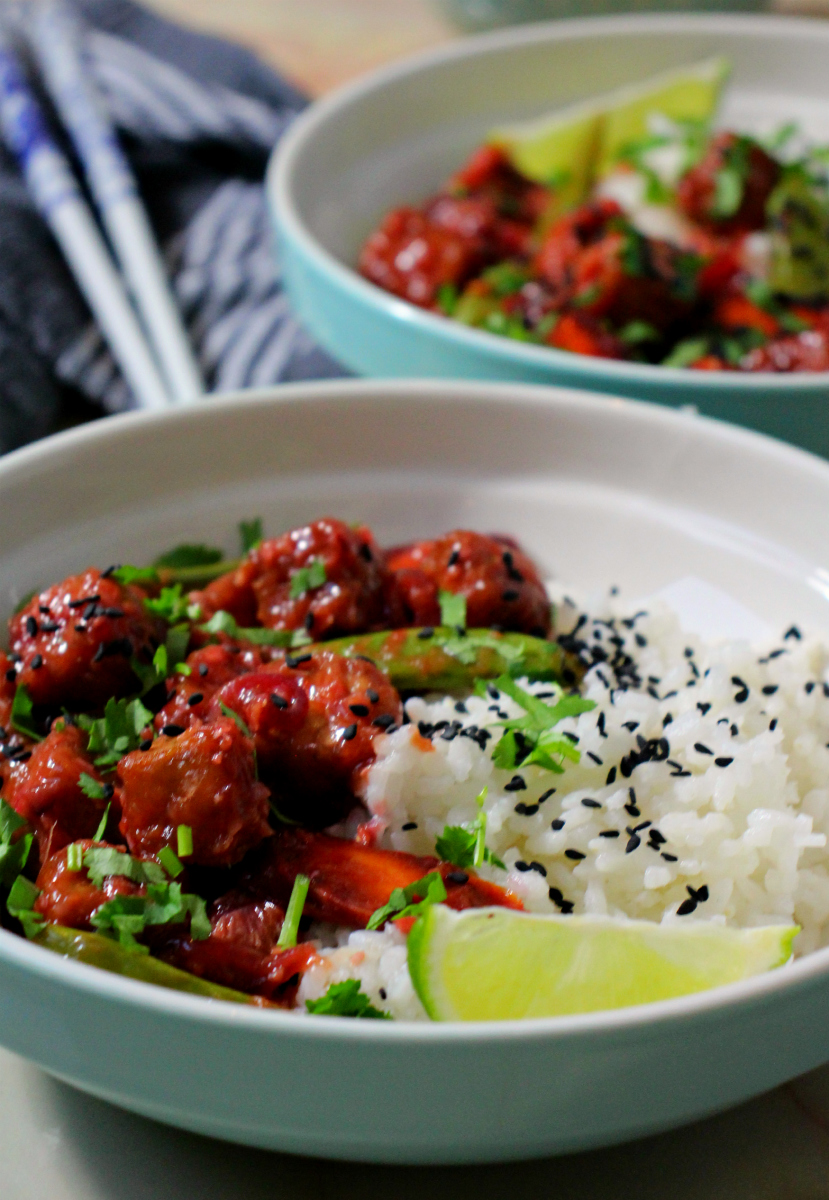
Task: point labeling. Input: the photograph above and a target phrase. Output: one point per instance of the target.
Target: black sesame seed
(633, 841)
(809, 688)
(772, 724)
(309, 621)
(279, 701)
(373, 696)
(365, 552)
(359, 710)
(11, 675)
(196, 698)
(516, 784)
(742, 695)
(656, 838)
(522, 866)
(556, 896)
(172, 730)
(49, 627)
(203, 669)
(109, 791)
(669, 857)
(631, 725)
(44, 608)
(292, 660)
(409, 825)
(145, 743)
(703, 708)
(591, 804)
(460, 707)
(686, 907)
(383, 721)
(425, 633)
(110, 570)
(792, 632)
(510, 595)
(37, 662)
(383, 994)
(576, 855)
(350, 732)
(526, 810)
(702, 749)
(454, 557)
(640, 640)
(20, 756)
(770, 689)
(540, 868)
(723, 762)
(492, 692)
(546, 795)
(459, 877)
(611, 776)
(595, 758)
(609, 833)
(571, 737)
(734, 731)
(31, 627)
(557, 824)
(112, 612)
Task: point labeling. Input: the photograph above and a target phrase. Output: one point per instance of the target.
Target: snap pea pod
(109, 955)
(192, 578)
(418, 660)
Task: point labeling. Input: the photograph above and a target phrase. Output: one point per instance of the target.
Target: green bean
(192, 578)
(109, 955)
(418, 660)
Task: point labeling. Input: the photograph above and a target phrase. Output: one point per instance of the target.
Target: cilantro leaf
(127, 574)
(452, 609)
(250, 534)
(117, 732)
(98, 835)
(20, 903)
(465, 648)
(189, 555)
(21, 715)
(529, 740)
(465, 845)
(164, 904)
(91, 787)
(103, 861)
(169, 604)
(345, 1000)
(686, 352)
(409, 901)
(305, 579)
(223, 622)
(14, 852)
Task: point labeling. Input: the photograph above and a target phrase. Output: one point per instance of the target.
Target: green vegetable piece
(170, 861)
(465, 845)
(108, 955)
(686, 352)
(21, 715)
(164, 904)
(411, 900)
(293, 914)
(117, 732)
(418, 660)
(184, 840)
(345, 1000)
(505, 278)
(473, 308)
(169, 604)
(101, 830)
(637, 333)
(20, 903)
(14, 846)
(189, 555)
(452, 609)
(798, 210)
(447, 298)
(250, 534)
(74, 857)
(306, 579)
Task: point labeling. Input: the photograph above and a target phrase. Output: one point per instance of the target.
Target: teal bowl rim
(28, 957)
(385, 306)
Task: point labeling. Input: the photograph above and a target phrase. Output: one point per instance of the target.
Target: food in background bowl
(629, 229)
(367, 783)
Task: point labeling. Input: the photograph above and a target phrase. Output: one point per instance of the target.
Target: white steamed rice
(735, 800)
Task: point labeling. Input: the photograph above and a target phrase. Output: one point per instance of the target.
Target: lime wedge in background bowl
(493, 964)
(574, 145)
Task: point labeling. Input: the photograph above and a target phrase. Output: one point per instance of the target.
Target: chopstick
(57, 41)
(58, 197)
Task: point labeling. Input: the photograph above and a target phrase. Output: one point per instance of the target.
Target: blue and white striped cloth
(198, 119)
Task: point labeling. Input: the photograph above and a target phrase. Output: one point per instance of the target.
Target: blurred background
(321, 43)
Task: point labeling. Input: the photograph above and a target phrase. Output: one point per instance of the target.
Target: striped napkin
(197, 118)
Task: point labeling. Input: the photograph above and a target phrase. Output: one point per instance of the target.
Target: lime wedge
(494, 964)
(568, 148)
(687, 94)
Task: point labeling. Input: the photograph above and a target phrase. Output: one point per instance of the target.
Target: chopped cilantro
(98, 835)
(447, 298)
(130, 574)
(452, 609)
(759, 293)
(189, 555)
(686, 352)
(184, 841)
(117, 732)
(635, 333)
(14, 852)
(410, 901)
(465, 648)
(103, 861)
(223, 622)
(21, 715)
(234, 716)
(305, 579)
(465, 845)
(91, 787)
(170, 604)
(505, 278)
(250, 534)
(293, 913)
(74, 857)
(20, 904)
(170, 861)
(345, 1000)
(164, 904)
(530, 740)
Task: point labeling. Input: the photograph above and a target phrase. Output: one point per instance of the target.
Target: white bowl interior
(395, 138)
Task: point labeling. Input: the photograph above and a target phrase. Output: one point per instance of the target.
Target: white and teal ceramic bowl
(601, 491)
(394, 136)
